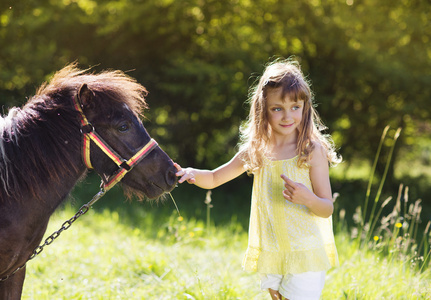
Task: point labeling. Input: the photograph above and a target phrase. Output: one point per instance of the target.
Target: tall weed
(396, 235)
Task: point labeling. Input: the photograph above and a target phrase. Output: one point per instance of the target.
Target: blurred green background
(369, 63)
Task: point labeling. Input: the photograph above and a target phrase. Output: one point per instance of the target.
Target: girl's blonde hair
(256, 132)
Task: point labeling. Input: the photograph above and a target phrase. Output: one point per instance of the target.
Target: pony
(77, 121)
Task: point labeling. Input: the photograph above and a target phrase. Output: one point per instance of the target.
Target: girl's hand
(296, 192)
(185, 174)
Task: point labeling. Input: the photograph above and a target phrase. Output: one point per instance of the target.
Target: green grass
(122, 250)
(101, 257)
(106, 256)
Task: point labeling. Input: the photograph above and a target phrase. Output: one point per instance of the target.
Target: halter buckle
(85, 129)
(125, 165)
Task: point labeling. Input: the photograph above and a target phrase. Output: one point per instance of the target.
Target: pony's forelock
(114, 84)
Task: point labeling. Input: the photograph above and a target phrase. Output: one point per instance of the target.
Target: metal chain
(66, 225)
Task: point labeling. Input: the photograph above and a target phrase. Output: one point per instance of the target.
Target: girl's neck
(283, 147)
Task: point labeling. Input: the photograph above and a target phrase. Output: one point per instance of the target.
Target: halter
(124, 165)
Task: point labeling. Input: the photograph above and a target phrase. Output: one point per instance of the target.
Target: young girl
(291, 242)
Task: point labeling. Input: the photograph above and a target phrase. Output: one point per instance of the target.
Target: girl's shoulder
(319, 154)
(318, 146)
(324, 151)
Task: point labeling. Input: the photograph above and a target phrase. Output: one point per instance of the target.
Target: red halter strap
(124, 165)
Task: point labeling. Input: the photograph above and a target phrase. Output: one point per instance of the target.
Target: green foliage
(368, 61)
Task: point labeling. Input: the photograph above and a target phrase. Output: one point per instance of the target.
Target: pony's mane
(40, 143)
(114, 84)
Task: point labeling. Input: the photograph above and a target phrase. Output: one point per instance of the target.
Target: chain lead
(66, 225)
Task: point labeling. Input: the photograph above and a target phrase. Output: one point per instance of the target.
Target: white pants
(302, 286)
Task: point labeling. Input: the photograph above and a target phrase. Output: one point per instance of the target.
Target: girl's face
(284, 115)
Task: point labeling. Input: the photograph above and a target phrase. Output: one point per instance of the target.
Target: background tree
(368, 62)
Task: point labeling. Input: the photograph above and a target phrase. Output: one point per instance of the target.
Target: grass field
(105, 255)
(122, 250)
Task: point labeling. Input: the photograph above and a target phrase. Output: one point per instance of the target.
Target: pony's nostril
(171, 178)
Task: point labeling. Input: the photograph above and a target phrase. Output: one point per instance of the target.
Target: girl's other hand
(296, 192)
(185, 174)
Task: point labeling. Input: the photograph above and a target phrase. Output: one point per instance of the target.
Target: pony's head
(115, 117)
(113, 103)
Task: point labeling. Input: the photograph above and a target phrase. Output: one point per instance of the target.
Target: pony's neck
(39, 151)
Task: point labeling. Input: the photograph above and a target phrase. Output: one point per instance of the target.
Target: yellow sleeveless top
(285, 237)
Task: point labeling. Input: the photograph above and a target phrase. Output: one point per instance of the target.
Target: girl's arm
(319, 201)
(211, 179)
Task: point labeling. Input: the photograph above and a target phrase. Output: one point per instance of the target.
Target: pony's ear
(86, 96)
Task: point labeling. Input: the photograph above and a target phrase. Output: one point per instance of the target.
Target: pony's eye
(123, 128)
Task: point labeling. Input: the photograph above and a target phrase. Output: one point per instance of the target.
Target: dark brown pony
(41, 157)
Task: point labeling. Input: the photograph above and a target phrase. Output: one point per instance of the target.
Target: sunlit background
(369, 63)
